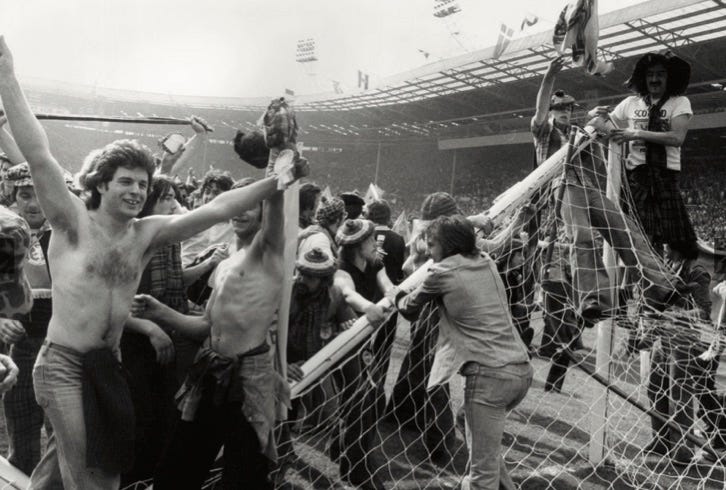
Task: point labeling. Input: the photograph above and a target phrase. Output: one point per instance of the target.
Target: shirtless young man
(229, 397)
(99, 252)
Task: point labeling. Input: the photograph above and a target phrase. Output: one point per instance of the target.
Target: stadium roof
(649, 26)
(477, 94)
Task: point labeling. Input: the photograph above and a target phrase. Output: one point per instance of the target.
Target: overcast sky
(246, 48)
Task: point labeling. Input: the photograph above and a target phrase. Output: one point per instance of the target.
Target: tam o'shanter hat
(438, 204)
(560, 100)
(19, 175)
(354, 231)
(316, 262)
(330, 210)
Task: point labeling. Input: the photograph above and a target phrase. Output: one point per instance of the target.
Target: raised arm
(192, 149)
(8, 144)
(545, 91)
(60, 207)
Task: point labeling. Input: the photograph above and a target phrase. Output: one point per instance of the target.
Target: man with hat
(353, 204)
(330, 216)
(318, 312)
(363, 281)
(654, 122)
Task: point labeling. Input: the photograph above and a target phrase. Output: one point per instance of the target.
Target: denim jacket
(475, 321)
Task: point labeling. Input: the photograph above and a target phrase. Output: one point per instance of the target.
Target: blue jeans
(23, 415)
(57, 379)
(489, 394)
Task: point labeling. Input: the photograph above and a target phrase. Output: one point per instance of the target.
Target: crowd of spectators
(704, 189)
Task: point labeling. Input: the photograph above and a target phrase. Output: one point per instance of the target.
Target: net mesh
(371, 420)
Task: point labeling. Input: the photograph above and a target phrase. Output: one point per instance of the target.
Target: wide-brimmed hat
(354, 231)
(316, 262)
(679, 72)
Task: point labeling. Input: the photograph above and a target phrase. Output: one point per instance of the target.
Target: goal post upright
(597, 450)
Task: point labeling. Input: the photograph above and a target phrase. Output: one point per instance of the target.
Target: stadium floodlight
(444, 8)
(306, 51)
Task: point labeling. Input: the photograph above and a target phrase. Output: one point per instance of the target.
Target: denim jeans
(489, 394)
(57, 379)
(23, 416)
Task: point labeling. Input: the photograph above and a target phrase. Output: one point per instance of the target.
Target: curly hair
(100, 166)
(219, 178)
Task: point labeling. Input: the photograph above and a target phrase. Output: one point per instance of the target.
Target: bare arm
(175, 228)
(191, 326)
(675, 137)
(384, 282)
(193, 147)
(159, 339)
(8, 144)
(544, 94)
(272, 233)
(60, 207)
(354, 299)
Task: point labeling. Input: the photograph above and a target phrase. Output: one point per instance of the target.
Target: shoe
(657, 446)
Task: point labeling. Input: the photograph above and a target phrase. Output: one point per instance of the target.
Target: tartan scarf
(655, 154)
(307, 317)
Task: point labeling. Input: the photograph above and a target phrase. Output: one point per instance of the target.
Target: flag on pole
(505, 36)
(400, 226)
(374, 193)
(289, 92)
(577, 28)
(327, 194)
(336, 87)
(362, 80)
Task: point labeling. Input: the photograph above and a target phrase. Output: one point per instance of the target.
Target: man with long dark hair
(654, 123)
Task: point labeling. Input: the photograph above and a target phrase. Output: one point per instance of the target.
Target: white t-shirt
(634, 110)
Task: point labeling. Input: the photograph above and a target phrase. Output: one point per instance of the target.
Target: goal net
(620, 397)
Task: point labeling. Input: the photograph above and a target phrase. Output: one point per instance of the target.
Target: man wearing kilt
(654, 123)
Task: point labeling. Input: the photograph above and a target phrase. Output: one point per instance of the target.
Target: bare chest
(113, 262)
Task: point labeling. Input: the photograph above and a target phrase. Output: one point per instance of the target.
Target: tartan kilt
(658, 204)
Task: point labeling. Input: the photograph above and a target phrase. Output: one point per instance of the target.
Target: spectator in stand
(390, 243)
(309, 200)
